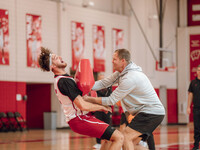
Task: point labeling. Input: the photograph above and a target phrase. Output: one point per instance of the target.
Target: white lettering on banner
(195, 55)
(196, 17)
(195, 43)
(196, 7)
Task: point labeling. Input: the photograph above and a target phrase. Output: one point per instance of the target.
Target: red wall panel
(7, 96)
(21, 105)
(8, 91)
(157, 91)
(172, 106)
(39, 101)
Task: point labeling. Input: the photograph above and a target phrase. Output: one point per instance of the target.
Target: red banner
(33, 39)
(118, 38)
(78, 43)
(99, 48)
(193, 12)
(4, 37)
(194, 55)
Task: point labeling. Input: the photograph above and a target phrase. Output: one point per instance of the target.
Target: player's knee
(126, 136)
(119, 137)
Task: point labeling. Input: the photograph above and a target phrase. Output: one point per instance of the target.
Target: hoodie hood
(132, 66)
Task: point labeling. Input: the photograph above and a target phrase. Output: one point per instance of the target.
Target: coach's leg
(117, 140)
(130, 136)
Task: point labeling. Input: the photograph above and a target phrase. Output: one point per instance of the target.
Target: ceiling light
(91, 3)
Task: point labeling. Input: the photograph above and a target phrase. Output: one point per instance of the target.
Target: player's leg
(95, 128)
(130, 137)
(117, 140)
(105, 145)
(99, 116)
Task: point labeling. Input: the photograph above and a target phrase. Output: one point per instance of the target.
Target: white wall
(111, 6)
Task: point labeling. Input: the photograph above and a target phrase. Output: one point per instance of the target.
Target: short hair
(44, 59)
(124, 54)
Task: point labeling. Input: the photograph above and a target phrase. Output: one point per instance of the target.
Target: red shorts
(88, 125)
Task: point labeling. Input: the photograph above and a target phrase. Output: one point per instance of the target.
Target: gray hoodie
(134, 90)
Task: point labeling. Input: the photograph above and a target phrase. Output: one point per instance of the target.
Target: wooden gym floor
(171, 137)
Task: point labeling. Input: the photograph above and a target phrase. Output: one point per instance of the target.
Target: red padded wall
(8, 91)
(7, 96)
(172, 107)
(39, 101)
(157, 91)
(21, 105)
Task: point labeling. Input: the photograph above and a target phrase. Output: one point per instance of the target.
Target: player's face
(117, 63)
(58, 62)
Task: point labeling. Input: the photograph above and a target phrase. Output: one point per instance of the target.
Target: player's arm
(87, 106)
(190, 97)
(94, 100)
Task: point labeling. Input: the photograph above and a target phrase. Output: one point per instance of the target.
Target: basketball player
(77, 110)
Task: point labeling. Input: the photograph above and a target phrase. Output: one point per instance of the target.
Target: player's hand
(188, 110)
(86, 98)
(107, 109)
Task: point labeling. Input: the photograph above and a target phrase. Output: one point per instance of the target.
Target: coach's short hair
(124, 54)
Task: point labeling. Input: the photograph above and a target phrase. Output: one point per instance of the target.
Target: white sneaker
(143, 143)
(96, 146)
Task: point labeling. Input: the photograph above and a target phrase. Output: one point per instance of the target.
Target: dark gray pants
(196, 116)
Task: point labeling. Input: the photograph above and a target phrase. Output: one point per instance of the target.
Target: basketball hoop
(166, 61)
(166, 68)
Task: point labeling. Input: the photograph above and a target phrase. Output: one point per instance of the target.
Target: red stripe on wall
(157, 91)
(172, 107)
